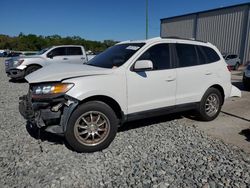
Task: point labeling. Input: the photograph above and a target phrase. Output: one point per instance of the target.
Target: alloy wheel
(212, 105)
(92, 128)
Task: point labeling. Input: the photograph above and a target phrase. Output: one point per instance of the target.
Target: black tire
(203, 112)
(237, 65)
(80, 143)
(31, 69)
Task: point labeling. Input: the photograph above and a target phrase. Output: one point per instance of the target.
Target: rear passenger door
(75, 55)
(194, 72)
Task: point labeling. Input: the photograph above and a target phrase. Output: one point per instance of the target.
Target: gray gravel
(160, 152)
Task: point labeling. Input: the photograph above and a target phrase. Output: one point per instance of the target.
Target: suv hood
(61, 71)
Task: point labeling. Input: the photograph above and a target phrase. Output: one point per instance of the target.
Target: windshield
(115, 56)
(42, 51)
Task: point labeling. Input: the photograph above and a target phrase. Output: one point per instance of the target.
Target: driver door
(58, 55)
(152, 89)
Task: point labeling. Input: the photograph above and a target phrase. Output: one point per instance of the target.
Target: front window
(115, 56)
(159, 55)
(60, 51)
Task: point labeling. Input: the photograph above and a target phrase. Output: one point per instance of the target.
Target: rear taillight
(229, 68)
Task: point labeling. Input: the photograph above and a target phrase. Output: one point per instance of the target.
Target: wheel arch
(221, 90)
(109, 101)
(34, 64)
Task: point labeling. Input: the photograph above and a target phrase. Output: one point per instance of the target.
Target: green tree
(29, 42)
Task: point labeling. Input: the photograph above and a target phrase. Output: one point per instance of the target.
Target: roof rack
(190, 39)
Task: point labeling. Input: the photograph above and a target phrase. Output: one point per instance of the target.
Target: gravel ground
(159, 152)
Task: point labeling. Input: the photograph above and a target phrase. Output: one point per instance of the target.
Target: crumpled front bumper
(25, 107)
(45, 114)
(15, 73)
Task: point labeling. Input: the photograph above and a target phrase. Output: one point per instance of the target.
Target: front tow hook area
(25, 107)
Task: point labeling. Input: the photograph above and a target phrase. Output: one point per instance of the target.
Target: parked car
(232, 60)
(18, 68)
(131, 80)
(246, 77)
(4, 53)
(14, 54)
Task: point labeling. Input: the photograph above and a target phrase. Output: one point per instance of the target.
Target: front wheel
(91, 127)
(210, 105)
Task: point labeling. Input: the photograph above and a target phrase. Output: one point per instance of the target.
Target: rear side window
(186, 55)
(212, 56)
(74, 51)
(159, 55)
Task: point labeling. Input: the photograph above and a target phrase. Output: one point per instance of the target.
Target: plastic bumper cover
(15, 73)
(41, 115)
(235, 92)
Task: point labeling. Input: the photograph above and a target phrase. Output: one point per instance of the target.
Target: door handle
(82, 58)
(208, 73)
(170, 79)
(65, 58)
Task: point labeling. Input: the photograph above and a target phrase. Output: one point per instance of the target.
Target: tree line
(33, 42)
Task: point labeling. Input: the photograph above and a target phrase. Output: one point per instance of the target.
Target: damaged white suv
(131, 80)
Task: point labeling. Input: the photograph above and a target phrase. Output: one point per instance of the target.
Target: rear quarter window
(211, 55)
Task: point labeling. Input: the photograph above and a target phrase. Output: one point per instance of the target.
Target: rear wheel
(210, 105)
(31, 69)
(91, 127)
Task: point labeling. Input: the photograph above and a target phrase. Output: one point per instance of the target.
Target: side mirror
(50, 55)
(143, 65)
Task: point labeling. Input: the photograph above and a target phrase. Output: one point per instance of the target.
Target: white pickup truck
(19, 67)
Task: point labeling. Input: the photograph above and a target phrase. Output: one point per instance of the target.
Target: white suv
(131, 80)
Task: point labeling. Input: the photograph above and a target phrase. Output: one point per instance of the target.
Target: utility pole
(146, 19)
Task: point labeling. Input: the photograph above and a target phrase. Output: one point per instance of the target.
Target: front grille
(9, 63)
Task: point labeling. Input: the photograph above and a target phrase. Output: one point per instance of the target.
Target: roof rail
(190, 39)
